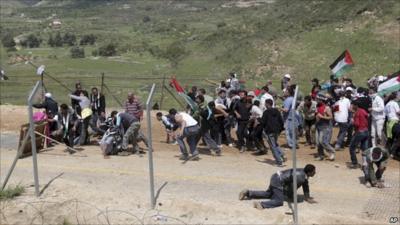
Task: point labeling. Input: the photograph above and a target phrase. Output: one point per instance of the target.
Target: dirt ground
(84, 188)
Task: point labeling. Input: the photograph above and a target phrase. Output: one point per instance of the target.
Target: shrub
(8, 41)
(88, 39)
(108, 50)
(77, 52)
(11, 192)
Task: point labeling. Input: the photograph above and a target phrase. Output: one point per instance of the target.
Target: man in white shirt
(392, 111)
(189, 129)
(377, 112)
(264, 95)
(341, 114)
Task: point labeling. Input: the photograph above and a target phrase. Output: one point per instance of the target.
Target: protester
(341, 114)
(285, 82)
(86, 115)
(377, 112)
(207, 98)
(315, 88)
(287, 116)
(272, 124)
(392, 111)
(256, 128)
(360, 137)
(133, 106)
(324, 127)
(208, 125)
(189, 129)
(67, 125)
(74, 102)
(98, 103)
(309, 109)
(378, 156)
(170, 126)
(51, 107)
(129, 125)
(281, 187)
(242, 113)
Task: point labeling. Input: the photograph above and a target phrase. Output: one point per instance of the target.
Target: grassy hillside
(195, 40)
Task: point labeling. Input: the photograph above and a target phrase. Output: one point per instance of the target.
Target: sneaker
(312, 147)
(219, 146)
(260, 152)
(258, 205)
(244, 194)
(319, 158)
(354, 166)
(242, 149)
(284, 158)
(195, 157)
(280, 165)
(183, 157)
(332, 156)
(218, 152)
(230, 145)
(174, 143)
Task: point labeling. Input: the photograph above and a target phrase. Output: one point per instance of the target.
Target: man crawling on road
(281, 186)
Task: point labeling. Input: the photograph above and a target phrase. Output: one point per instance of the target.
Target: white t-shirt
(256, 112)
(189, 121)
(342, 115)
(264, 97)
(391, 110)
(378, 108)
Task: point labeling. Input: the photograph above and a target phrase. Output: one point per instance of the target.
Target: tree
(51, 41)
(69, 39)
(108, 50)
(77, 52)
(8, 41)
(175, 52)
(32, 41)
(58, 41)
(88, 39)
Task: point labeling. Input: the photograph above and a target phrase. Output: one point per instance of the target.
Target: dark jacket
(98, 103)
(243, 111)
(69, 121)
(50, 105)
(125, 120)
(272, 121)
(285, 181)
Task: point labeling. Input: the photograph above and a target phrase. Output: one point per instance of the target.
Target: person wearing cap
(378, 156)
(51, 107)
(377, 112)
(324, 127)
(285, 82)
(361, 135)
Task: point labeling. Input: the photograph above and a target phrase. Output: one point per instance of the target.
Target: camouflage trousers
(131, 135)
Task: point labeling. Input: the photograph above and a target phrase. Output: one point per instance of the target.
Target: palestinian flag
(390, 85)
(181, 92)
(342, 64)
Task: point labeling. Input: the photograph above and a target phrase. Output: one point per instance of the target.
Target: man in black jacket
(51, 107)
(281, 186)
(242, 112)
(98, 103)
(272, 123)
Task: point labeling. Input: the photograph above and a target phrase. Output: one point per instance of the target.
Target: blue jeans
(191, 134)
(323, 139)
(289, 133)
(341, 135)
(276, 150)
(359, 138)
(274, 193)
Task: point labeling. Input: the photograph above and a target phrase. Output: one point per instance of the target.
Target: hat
(48, 95)
(251, 93)
(287, 76)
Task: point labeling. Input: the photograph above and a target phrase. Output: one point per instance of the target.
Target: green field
(197, 40)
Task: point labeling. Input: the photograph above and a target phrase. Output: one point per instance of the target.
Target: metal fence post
(33, 137)
(150, 145)
(294, 153)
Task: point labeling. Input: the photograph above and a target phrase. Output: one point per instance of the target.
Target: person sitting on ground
(67, 125)
(129, 126)
(281, 186)
(378, 156)
(170, 126)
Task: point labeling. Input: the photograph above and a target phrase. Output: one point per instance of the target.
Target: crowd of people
(246, 120)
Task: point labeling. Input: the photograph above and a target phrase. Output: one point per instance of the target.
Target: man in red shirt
(360, 122)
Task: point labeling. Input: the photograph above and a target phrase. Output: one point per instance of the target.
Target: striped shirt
(134, 108)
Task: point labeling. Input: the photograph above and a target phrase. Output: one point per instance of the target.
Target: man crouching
(280, 187)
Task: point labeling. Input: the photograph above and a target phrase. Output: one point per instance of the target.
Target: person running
(281, 186)
(341, 114)
(272, 124)
(324, 126)
(208, 123)
(308, 108)
(242, 113)
(189, 129)
(360, 137)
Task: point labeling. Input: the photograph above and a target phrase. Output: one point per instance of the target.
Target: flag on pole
(390, 85)
(181, 92)
(342, 64)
